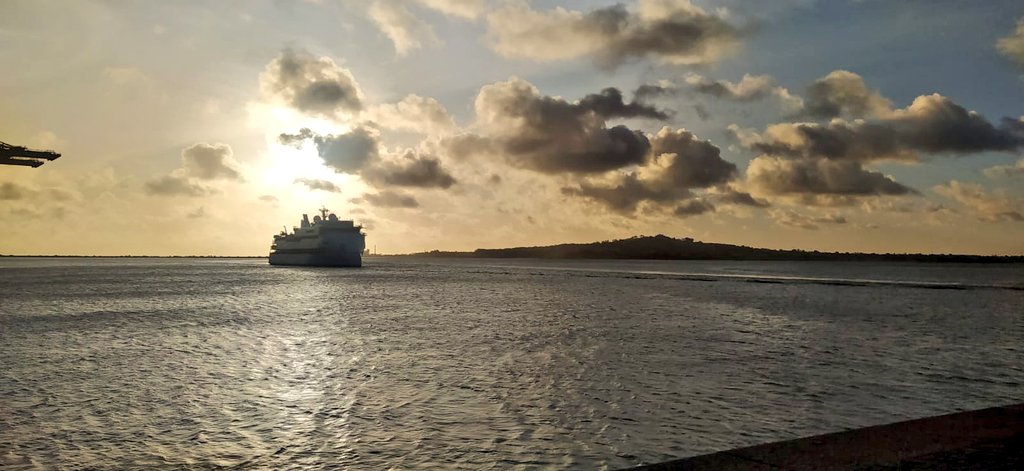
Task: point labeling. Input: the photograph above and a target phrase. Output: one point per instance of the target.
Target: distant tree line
(661, 247)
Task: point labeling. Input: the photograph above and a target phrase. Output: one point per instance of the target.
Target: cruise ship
(324, 242)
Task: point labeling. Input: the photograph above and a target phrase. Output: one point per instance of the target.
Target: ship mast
(323, 213)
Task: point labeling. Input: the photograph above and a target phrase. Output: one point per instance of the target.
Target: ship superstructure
(326, 241)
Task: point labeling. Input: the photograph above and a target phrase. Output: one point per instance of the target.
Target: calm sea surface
(483, 364)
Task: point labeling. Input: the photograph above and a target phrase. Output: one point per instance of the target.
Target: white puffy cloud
(413, 113)
(997, 171)
(1012, 45)
(993, 207)
(406, 31)
(844, 93)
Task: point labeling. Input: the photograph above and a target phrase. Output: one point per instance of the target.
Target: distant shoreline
(662, 247)
(657, 247)
(132, 256)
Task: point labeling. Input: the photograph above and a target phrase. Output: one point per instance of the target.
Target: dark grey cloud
(313, 85)
(12, 191)
(935, 124)
(692, 162)
(648, 92)
(843, 93)
(610, 104)
(677, 33)
(800, 221)
(839, 140)
(389, 199)
(210, 162)
(702, 112)
(345, 153)
(321, 185)
(932, 124)
(683, 162)
(465, 146)
(749, 88)
(777, 176)
(693, 207)
(410, 170)
(741, 198)
(176, 185)
(551, 135)
(358, 152)
(624, 195)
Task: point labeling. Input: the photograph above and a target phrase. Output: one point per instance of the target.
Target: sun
(283, 166)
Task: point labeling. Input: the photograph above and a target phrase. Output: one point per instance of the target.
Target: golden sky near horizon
(201, 129)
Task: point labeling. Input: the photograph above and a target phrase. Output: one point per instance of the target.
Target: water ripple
(478, 365)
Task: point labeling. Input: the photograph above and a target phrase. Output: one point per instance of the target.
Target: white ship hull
(326, 242)
(317, 259)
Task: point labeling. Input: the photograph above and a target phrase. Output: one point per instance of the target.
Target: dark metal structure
(19, 155)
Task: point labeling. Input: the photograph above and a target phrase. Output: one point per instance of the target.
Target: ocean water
(483, 364)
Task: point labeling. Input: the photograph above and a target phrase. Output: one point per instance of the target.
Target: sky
(204, 128)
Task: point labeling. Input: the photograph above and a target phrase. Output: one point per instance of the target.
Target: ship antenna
(323, 212)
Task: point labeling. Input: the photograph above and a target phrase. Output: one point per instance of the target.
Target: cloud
(551, 135)
(741, 198)
(671, 31)
(992, 207)
(1012, 46)
(1006, 170)
(681, 162)
(648, 91)
(269, 199)
(200, 161)
(126, 76)
(693, 207)
(389, 199)
(405, 30)
(843, 93)
(310, 84)
(199, 213)
(778, 176)
(345, 153)
(791, 218)
(749, 88)
(466, 9)
(932, 124)
(626, 193)
(359, 152)
(322, 185)
(210, 162)
(413, 113)
(610, 104)
(687, 161)
(176, 184)
(10, 191)
(410, 170)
